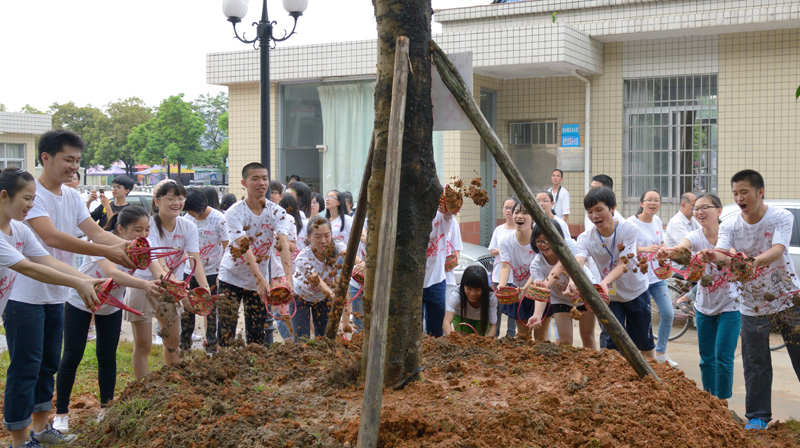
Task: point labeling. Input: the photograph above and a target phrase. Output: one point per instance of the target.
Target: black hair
(607, 181)
(252, 166)
(557, 169)
(212, 196)
(537, 232)
(316, 222)
(320, 201)
(125, 217)
(713, 198)
(303, 196)
(53, 142)
(549, 195)
(165, 188)
(341, 209)
(752, 177)
(12, 180)
(228, 199)
(78, 173)
(126, 182)
(289, 203)
(275, 185)
(641, 199)
(597, 195)
(522, 209)
(475, 277)
(293, 178)
(348, 198)
(195, 201)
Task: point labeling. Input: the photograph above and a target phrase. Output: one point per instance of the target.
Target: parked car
(140, 198)
(473, 254)
(793, 205)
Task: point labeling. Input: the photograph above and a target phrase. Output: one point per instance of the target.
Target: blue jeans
(635, 317)
(358, 307)
(433, 301)
(302, 320)
(34, 334)
(717, 337)
(659, 292)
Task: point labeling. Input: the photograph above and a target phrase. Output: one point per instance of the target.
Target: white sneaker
(663, 357)
(157, 340)
(61, 423)
(196, 338)
(101, 415)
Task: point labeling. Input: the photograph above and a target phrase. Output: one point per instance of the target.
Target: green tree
(218, 157)
(85, 121)
(171, 136)
(28, 109)
(123, 117)
(2, 107)
(211, 108)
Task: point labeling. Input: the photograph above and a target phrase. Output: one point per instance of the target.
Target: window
(669, 137)
(12, 154)
(534, 133)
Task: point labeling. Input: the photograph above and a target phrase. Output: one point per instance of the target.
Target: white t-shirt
(307, 262)
(211, 233)
(262, 230)
(588, 224)
(66, 212)
(779, 277)
(606, 254)
(91, 267)
(649, 233)
(13, 249)
(677, 229)
(722, 296)
(518, 257)
(453, 305)
(183, 237)
(362, 254)
(277, 263)
(499, 233)
(436, 253)
(540, 269)
(560, 201)
(564, 227)
(341, 234)
(453, 244)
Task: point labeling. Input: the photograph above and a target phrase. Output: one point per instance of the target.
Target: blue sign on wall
(570, 136)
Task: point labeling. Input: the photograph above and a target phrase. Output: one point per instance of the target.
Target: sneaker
(101, 415)
(52, 436)
(91, 337)
(30, 443)
(157, 340)
(196, 338)
(755, 423)
(664, 358)
(61, 423)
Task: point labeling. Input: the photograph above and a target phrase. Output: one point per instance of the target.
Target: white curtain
(348, 116)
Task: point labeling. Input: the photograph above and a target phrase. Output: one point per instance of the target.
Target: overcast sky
(97, 51)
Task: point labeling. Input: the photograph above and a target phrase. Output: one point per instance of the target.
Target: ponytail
(125, 217)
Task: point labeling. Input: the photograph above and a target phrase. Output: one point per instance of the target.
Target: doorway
(301, 132)
(488, 168)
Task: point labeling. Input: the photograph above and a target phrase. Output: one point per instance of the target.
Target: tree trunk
(419, 185)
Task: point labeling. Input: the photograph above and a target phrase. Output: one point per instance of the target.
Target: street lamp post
(235, 10)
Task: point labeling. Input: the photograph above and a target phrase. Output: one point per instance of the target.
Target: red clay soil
(476, 393)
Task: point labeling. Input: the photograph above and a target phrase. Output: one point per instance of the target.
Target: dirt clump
(474, 392)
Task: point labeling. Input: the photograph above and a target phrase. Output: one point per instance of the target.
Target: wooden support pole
(343, 284)
(373, 388)
(452, 79)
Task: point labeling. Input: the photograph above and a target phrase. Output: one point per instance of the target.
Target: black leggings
(76, 327)
(257, 323)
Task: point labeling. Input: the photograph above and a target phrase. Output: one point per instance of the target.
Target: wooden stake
(452, 79)
(343, 285)
(373, 388)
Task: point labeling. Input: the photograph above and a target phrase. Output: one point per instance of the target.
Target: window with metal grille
(12, 154)
(669, 137)
(534, 133)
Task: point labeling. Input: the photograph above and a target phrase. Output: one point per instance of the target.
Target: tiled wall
(245, 130)
(759, 117)
(692, 55)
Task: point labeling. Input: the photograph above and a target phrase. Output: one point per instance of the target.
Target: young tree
(419, 184)
(86, 121)
(28, 109)
(2, 107)
(123, 117)
(211, 108)
(171, 136)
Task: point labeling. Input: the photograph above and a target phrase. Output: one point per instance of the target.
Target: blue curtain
(348, 116)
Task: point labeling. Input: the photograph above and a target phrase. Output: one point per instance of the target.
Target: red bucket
(175, 289)
(104, 294)
(141, 254)
(506, 295)
(537, 293)
(450, 262)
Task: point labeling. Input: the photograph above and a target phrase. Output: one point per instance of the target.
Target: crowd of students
(278, 236)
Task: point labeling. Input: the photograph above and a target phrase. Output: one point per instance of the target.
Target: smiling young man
(762, 232)
(255, 225)
(607, 242)
(56, 215)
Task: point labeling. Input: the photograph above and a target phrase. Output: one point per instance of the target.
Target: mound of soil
(476, 392)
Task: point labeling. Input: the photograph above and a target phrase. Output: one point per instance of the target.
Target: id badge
(612, 290)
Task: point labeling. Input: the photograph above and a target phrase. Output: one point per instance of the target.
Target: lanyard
(605, 246)
(555, 199)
